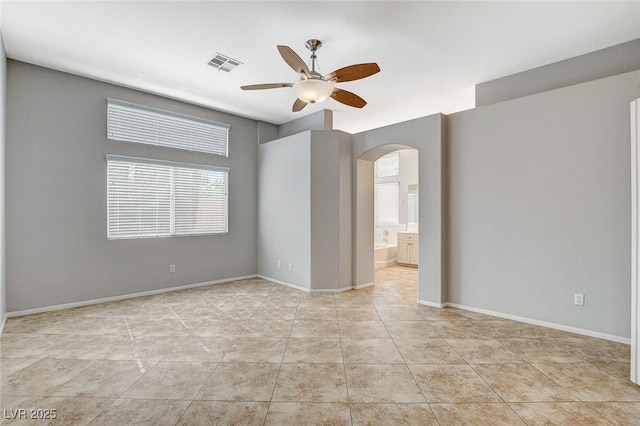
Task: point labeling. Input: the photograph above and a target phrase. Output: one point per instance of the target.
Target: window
(138, 124)
(388, 165)
(387, 211)
(413, 202)
(152, 198)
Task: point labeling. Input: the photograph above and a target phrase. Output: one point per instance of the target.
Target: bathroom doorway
(426, 135)
(396, 223)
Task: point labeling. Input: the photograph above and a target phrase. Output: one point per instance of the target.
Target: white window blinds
(388, 165)
(151, 198)
(128, 122)
(200, 201)
(387, 206)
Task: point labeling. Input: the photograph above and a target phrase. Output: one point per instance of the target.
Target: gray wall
(539, 193)
(3, 112)
(363, 222)
(304, 206)
(321, 120)
(57, 250)
(602, 63)
(267, 132)
(330, 210)
(284, 209)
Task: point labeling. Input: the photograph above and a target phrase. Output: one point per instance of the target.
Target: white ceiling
(431, 53)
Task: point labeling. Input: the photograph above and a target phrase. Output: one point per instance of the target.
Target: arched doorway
(426, 136)
(396, 225)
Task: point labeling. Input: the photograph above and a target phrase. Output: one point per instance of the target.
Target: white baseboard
(432, 304)
(540, 323)
(153, 292)
(297, 287)
(121, 297)
(312, 290)
(4, 321)
(331, 290)
(361, 286)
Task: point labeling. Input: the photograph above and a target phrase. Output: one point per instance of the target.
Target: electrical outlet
(172, 268)
(278, 264)
(578, 299)
(290, 267)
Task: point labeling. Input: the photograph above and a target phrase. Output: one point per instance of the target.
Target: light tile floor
(254, 352)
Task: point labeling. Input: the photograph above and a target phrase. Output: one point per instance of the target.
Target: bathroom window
(388, 165)
(412, 205)
(387, 203)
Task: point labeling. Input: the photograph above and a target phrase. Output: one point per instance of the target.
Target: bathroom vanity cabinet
(408, 249)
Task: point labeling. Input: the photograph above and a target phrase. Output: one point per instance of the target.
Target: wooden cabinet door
(403, 252)
(414, 251)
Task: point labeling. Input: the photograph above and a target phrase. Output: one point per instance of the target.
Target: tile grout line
(426, 400)
(586, 403)
(344, 368)
(273, 391)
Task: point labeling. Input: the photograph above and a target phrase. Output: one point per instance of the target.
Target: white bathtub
(384, 255)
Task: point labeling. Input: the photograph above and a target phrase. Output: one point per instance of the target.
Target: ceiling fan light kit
(312, 86)
(312, 90)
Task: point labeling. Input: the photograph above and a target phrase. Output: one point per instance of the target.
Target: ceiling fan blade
(348, 98)
(266, 86)
(294, 61)
(353, 72)
(298, 105)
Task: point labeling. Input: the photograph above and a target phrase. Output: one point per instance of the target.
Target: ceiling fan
(312, 86)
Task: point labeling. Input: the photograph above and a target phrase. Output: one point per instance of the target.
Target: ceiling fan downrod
(313, 45)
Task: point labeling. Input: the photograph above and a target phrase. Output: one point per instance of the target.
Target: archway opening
(426, 135)
(396, 223)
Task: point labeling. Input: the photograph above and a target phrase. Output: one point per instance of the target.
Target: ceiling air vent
(223, 62)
